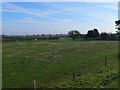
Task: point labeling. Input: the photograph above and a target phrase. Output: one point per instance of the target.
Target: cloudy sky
(22, 18)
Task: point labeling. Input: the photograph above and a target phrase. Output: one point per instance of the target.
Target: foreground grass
(51, 62)
(105, 77)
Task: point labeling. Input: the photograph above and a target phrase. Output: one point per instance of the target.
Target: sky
(60, 0)
(28, 18)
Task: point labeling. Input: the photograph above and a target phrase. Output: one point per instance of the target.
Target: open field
(50, 63)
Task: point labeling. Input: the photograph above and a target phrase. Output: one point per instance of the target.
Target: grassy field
(50, 63)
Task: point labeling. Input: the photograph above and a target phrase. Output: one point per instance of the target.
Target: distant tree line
(29, 37)
(93, 35)
(73, 34)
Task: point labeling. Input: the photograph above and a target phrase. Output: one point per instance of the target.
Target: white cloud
(29, 20)
(37, 21)
(3, 10)
(114, 6)
(8, 7)
(66, 20)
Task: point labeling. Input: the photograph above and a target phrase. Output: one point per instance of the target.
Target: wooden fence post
(73, 74)
(34, 84)
(105, 61)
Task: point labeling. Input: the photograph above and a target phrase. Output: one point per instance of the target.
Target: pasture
(50, 63)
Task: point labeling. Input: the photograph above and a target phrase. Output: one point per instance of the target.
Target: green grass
(50, 62)
(105, 77)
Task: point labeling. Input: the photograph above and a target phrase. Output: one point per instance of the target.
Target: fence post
(34, 84)
(105, 61)
(73, 74)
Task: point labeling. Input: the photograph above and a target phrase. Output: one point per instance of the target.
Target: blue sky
(22, 18)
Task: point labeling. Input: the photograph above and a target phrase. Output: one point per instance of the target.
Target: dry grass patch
(93, 41)
(54, 43)
(46, 53)
(28, 56)
(34, 46)
(39, 42)
(18, 43)
(20, 47)
(10, 55)
(32, 51)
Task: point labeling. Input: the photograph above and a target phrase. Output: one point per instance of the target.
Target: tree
(92, 33)
(96, 33)
(117, 23)
(74, 34)
(104, 36)
(118, 27)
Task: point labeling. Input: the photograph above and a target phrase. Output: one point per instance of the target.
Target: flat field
(52, 63)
